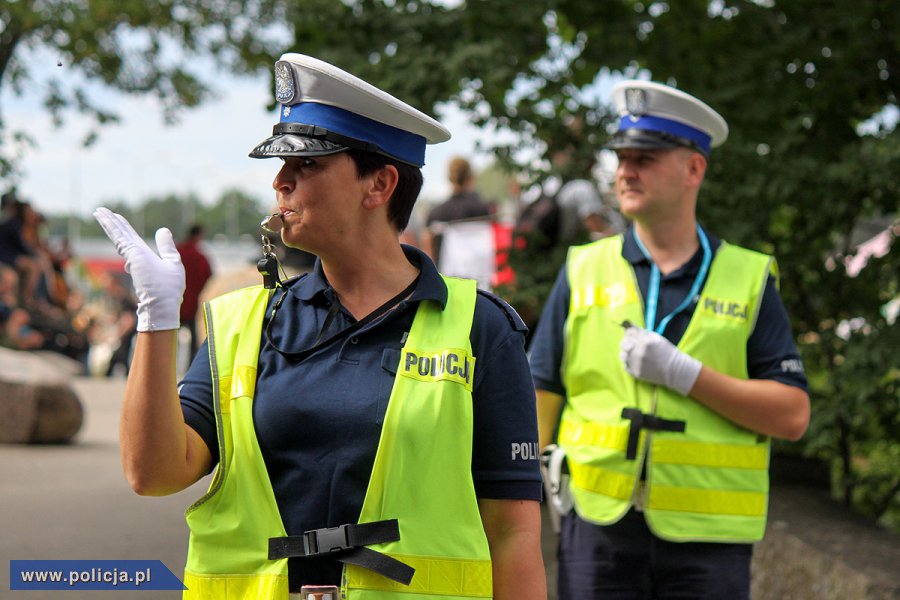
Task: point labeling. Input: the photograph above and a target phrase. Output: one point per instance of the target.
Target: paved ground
(72, 502)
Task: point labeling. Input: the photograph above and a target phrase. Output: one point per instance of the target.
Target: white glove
(158, 280)
(651, 357)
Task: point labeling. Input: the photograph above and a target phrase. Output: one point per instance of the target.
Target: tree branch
(9, 39)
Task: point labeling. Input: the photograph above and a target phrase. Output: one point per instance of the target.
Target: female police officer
(372, 423)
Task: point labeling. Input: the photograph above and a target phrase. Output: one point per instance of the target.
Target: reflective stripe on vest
(709, 482)
(428, 421)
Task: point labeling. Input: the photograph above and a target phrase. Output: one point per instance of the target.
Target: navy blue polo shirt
(771, 352)
(318, 422)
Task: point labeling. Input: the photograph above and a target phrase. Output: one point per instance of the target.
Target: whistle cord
(302, 355)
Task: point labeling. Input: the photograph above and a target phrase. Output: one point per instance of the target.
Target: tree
(810, 93)
(73, 49)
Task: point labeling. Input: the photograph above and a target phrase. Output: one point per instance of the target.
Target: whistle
(272, 224)
(268, 264)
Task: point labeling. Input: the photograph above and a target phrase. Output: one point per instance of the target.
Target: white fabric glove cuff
(158, 314)
(682, 373)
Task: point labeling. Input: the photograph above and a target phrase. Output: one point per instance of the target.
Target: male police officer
(665, 358)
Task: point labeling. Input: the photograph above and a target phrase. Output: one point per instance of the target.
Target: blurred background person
(15, 329)
(122, 306)
(197, 272)
(35, 293)
(598, 219)
(460, 233)
(14, 248)
(464, 203)
(585, 214)
(565, 208)
(50, 292)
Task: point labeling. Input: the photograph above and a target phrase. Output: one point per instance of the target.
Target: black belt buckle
(649, 421)
(326, 540)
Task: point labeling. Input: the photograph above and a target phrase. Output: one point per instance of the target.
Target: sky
(204, 153)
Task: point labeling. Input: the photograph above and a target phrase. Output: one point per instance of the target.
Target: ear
(382, 184)
(696, 168)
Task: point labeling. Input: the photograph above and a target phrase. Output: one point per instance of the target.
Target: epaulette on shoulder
(514, 319)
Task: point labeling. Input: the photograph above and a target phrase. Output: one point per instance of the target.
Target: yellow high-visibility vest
(428, 423)
(707, 483)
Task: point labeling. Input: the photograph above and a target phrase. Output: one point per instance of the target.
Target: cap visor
(641, 139)
(290, 144)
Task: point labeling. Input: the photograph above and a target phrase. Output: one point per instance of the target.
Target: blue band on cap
(649, 123)
(400, 144)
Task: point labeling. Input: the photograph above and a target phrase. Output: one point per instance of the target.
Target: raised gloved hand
(651, 357)
(158, 279)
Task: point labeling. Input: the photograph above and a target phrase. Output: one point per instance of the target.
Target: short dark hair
(408, 187)
(195, 230)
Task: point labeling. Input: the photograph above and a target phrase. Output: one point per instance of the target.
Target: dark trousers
(625, 560)
(121, 355)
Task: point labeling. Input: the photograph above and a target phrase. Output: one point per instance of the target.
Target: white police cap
(653, 115)
(325, 110)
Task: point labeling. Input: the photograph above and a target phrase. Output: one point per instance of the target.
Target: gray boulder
(37, 401)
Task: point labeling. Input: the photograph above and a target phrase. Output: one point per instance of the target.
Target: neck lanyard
(653, 286)
(332, 312)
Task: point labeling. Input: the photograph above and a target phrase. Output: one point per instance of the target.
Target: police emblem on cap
(284, 83)
(636, 102)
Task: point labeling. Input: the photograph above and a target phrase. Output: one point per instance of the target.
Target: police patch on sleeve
(514, 319)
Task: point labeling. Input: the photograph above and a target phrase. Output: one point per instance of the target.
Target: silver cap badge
(284, 83)
(636, 102)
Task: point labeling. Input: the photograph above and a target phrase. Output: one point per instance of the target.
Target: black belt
(346, 544)
(640, 421)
